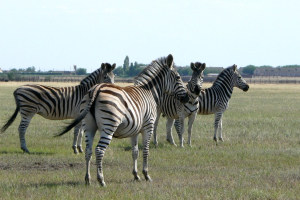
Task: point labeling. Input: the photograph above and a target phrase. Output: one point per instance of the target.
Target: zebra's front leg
(135, 154)
(146, 139)
(155, 129)
(190, 124)
(220, 129)
(76, 132)
(169, 125)
(179, 125)
(22, 130)
(218, 116)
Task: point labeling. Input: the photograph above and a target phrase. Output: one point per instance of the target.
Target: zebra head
(238, 80)
(195, 83)
(106, 75)
(174, 85)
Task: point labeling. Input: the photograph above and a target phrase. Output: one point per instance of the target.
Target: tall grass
(259, 158)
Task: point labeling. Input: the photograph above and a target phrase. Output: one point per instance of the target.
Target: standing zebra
(215, 100)
(55, 103)
(123, 112)
(176, 110)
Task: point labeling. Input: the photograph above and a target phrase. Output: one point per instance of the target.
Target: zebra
(215, 100)
(123, 112)
(55, 103)
(177, 110)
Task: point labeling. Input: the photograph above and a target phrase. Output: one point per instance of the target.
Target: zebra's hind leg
(169, 126)
(79, 141)
(89, 138)
(104, 141)
(76, 133)
(22, 130)
(135, 154)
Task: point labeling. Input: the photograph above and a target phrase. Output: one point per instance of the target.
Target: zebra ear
(234, 67)
(170, 60)
(102, 66)
(192, 66)
(111, 67)
(203, 66)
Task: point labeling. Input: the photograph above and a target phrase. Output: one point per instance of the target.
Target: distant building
(1, 70)
(284, 71)
(212, 75)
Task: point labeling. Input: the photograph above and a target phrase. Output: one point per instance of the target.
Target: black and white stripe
(176, 110)
(55, 103)
(215, 100)
(123, 112)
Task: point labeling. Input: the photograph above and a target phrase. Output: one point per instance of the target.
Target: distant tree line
(128, 70)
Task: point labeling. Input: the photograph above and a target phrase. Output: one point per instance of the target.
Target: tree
(80, 71)
(119, 71)
(126, 64)
(30, 69)
(249, 69)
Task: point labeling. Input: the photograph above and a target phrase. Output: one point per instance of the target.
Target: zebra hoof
(87, 180)
(137, 178)
(221, 139)
(215, 139)
(75, 150)
(80, 149)
(25, 150)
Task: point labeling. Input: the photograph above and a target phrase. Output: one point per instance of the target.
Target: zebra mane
(151, 71)
(91, 76)
(223, 75)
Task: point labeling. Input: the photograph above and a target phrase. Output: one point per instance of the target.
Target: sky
(57, 34)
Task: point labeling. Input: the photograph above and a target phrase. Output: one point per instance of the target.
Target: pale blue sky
(57, 34)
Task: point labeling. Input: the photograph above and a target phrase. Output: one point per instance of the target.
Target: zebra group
(124, 112)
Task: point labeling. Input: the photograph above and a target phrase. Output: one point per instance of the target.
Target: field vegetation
(259, 159)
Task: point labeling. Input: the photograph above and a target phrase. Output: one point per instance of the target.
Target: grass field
(259, 159)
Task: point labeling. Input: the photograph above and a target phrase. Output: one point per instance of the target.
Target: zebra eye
(105, 76)
(178, 77)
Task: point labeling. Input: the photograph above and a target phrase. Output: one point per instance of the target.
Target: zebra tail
(82, 115)
(12, 118)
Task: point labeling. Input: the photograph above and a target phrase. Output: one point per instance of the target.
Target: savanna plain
(259, 158)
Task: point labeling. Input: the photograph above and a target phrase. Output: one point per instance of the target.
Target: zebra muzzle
(184, 98)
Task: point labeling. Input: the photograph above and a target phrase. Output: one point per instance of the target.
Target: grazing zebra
(55, 103)
(215, 100)
(123, 112)
(177, 110)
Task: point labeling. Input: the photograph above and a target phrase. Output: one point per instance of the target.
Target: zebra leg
(22, 130)
(169, 125)
(76, 131)
(104, 141)
(135, 154)
(220, 129)
(79, 140)
(146, 139)
(90, 132)
(190, 124)
(179, 125)
(155, 142)
(218, 116)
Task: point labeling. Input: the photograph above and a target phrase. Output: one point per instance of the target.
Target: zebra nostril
(197, 89)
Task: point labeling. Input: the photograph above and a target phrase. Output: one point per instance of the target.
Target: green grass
(259, 158)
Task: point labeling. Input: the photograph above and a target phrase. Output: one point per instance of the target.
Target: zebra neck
(223, 89)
